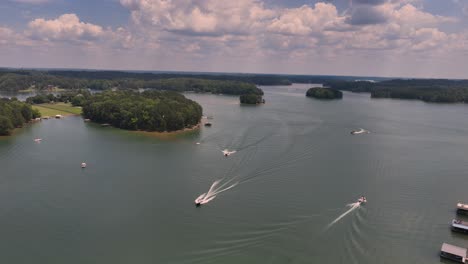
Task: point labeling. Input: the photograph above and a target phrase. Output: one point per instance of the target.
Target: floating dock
(459, 226)
(454, 253)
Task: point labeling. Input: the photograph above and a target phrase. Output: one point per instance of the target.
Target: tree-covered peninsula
(324, 93)
(148, 111)
(14, 114)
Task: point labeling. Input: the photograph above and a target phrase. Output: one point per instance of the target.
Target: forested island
(14, 114)
(324, 93)
(147, 111)
(251, 99)
(427, 90)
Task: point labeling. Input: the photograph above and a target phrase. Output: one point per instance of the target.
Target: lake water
(297, 167)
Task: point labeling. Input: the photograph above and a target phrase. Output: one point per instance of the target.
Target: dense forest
(324, 93)
(149, 111)
(75, 97)
(251, 99)
(13, 114)
(42, 80)
(15, 80)
(428, 90)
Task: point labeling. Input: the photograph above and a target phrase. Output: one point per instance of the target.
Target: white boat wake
(214, 190)
(353, 206)
(360, 131)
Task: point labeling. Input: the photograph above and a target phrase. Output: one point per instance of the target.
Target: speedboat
(360, 131)
(226, 152)
(38, 139)
(199, 200)
(83, 165)
(362, 200)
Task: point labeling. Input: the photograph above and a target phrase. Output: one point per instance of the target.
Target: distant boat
(38, 140)
(360, 131)
(83, 165)
(226, 152)
(198, 143)
(207, 124)
(362, 200)
(58, 116)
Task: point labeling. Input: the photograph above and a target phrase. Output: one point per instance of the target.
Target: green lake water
(297, 167)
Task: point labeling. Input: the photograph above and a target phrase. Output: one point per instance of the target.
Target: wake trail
(354, 206)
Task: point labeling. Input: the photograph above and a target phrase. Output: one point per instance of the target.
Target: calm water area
(296, 169)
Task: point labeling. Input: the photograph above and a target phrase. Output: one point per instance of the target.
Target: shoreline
(166, 134)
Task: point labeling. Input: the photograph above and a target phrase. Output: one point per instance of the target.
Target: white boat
(360, 131)
(38, 140)
(362, 200)
(226, 152)
(83, 165)
(459, 226)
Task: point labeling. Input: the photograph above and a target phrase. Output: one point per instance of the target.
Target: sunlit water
(295, 169)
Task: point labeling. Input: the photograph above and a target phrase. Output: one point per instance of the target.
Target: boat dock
(459, 226)
(454, 253)
(462, 208)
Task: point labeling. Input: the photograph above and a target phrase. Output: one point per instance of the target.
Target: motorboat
(226, 152)
(83, 165)
(359, 131)
(207, 124)
(362, 200)
(38, 140)
(199, 200)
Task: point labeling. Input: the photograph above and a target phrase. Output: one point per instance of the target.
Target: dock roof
(454, 250)
(462, 206)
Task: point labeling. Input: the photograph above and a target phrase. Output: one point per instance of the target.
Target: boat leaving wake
(226, 152)
(214, 190)
(353, 206)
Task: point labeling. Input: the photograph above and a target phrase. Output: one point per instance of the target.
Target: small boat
(38, 140)
(362, 200)
(207, 124)
(199, 200)
(226, 152)
(198, 143)
(58, 116)
(83, 165)
(360, 131)
(459, 226)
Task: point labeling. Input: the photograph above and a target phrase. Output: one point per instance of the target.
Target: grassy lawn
(57, 109)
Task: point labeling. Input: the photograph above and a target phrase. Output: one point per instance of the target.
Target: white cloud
(67, 27)
(208, 17)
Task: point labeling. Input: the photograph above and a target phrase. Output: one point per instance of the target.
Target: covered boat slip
(459, 226)
(454, 253)
(462, 208)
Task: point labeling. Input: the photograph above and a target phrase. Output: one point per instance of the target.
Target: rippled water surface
(297, 169)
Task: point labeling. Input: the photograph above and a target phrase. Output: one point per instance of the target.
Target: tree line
(14, 114)
(324, 93)
(427, 90)
(149, 111)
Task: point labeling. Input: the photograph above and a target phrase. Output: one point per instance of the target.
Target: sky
(390, 38)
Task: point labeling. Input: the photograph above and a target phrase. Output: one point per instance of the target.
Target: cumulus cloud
(306, 20)
(208, 17)
(189, 31)
(67, 27)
